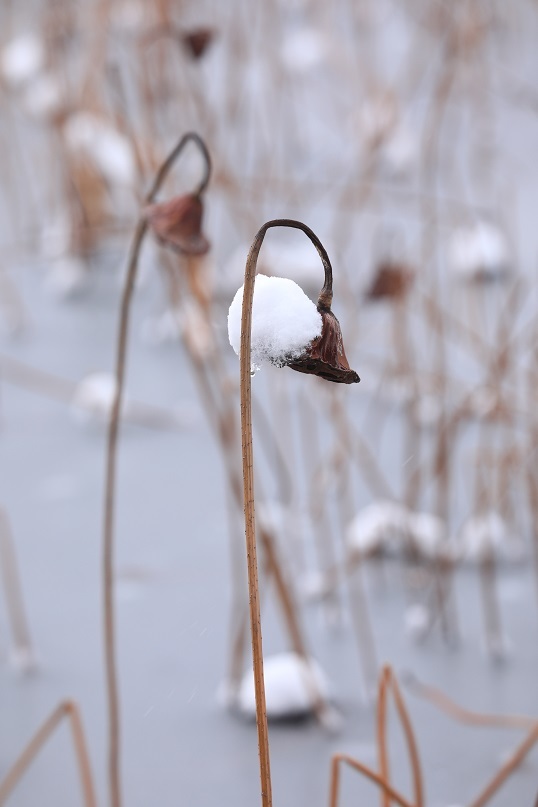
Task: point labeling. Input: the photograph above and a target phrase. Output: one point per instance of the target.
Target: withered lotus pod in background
(197, 41)
(392, 281)
(324, 356)
(178, 224)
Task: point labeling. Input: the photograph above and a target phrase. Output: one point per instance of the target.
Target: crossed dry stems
(111, 455)
(388, 681)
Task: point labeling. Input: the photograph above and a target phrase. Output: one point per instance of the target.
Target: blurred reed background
(396, 518)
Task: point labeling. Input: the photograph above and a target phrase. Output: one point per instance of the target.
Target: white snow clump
(22, 59)
(67, 277)
(479, 251)
(108, 149)
(93, 398)
(487, 534)
(284, 321)
(386, 526)
(290, 687)
(303, 50)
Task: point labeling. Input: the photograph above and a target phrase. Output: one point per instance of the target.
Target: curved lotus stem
(324, 304)
(111, 453)
(172, 157)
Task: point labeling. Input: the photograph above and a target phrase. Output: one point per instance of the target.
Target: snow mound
(290, 683)
(389, 527)
(93, 398)
(22, 59)
(108, 149)
(377, 526)
(67, 277)
(284, 321)
(479, 251)
(303, 50)
(488, 535)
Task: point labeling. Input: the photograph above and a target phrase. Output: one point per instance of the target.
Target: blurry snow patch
(109, 150)
(376, 527)
(303, 50)
(479, 251)
(22, 59)
(427, 534)
(67, 277)
(43, 97)
(284, 321)
(389, 527)
(488, 534)
(314, 586)
(290, 683)
(417, 620)
(93, 398)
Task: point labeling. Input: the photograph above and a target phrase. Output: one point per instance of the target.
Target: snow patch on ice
(287, 691)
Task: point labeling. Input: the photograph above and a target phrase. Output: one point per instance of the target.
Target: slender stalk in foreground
(320, 367)
(111, 456)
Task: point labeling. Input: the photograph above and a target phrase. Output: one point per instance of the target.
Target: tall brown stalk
(248, 481)
(110, 478)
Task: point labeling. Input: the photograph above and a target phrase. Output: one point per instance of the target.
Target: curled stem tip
(163, 171)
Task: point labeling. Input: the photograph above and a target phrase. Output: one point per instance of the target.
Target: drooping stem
(325, 299)
(110, 478)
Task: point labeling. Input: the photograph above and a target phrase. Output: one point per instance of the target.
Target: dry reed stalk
(110, 477)
(507, 768)
(70, 711)
(384, 786)
(473, 718)
(468, 716)
(13, 590)
(388, 681)
(325, 299)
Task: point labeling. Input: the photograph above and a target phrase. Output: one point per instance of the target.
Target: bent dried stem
(385, 787)
(111, 455)
(388, 681)
(69, 710)
(325, 300)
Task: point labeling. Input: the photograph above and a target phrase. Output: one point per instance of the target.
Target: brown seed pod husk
(392, 281)
(197, 41)
(178, 224)
(325, 356)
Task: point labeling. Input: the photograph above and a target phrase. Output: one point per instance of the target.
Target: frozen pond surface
(173, 591)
